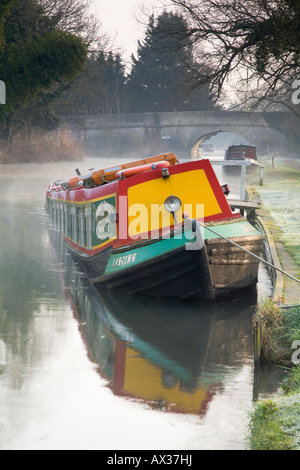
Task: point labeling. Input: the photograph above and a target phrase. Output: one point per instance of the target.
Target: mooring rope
(250, 253)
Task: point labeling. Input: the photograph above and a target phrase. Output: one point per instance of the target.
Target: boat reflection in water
(157, 353)
(173, 356)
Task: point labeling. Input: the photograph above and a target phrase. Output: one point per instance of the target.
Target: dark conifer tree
(98, 89)
(160, 75)
(35, 56)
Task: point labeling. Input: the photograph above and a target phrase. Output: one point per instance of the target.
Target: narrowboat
(157, 227)
(138, 354)
(240, 152)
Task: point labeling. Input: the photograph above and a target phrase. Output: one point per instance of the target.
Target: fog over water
(85, 370)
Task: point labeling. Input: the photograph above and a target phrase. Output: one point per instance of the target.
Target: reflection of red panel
(210, 395)
(119, 367)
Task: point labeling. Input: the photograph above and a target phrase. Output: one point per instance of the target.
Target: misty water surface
(81, 369)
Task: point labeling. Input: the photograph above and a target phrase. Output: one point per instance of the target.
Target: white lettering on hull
(124, 260)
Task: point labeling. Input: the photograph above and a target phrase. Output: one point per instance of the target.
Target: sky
(118, 19)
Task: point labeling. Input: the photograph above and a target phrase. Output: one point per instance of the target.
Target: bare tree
(255, 43)
(73, 16)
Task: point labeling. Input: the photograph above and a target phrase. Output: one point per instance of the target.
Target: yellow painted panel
(144, 380)
(147, 199)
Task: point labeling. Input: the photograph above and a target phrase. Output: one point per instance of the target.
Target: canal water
(82, 369)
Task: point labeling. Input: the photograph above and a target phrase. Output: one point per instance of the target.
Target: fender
(136, 170)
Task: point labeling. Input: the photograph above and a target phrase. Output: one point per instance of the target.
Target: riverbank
(41, 147)
(279, 196)
(275, 424)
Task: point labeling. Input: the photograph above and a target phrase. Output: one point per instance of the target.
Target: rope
(250, 253)
(288, 306)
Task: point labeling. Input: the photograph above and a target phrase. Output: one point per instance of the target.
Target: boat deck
(249, 206)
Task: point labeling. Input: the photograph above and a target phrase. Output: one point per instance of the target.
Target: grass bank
(275, 424)
(280, 196)
(40, 147)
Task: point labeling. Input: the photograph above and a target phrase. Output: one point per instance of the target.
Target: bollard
(261, 176)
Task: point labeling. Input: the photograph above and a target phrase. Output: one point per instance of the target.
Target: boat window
(88, 227)
(73, 221)
(52, 209)
(80, 219)
(61, 215)
(65, 219)
(54, 212)
(57, 212)
(69, 231)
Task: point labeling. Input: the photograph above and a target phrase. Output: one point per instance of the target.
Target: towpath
(280, 211)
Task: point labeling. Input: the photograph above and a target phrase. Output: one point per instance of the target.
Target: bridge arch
(199, 141)
(230, 138)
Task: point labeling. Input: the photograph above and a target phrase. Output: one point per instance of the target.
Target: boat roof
(102, 176)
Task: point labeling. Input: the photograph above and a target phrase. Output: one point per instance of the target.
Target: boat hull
(165, 268)
(231, 268)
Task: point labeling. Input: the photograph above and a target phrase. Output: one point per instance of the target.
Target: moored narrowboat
(240, 152)
(157, 227)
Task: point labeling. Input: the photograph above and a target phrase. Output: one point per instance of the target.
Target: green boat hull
(179, 267)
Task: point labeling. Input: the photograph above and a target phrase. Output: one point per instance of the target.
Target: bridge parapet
(152, 132)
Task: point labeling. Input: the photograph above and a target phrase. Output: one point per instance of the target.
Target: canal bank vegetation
(43, 46)
(279, 330)
(40, 147)
(275, 423)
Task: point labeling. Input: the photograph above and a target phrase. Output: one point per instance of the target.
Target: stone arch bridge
(179, 132)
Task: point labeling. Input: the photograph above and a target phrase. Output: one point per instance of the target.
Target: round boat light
(172, 204)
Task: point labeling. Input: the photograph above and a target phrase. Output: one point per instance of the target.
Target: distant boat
(156, 227)
(240, 152)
